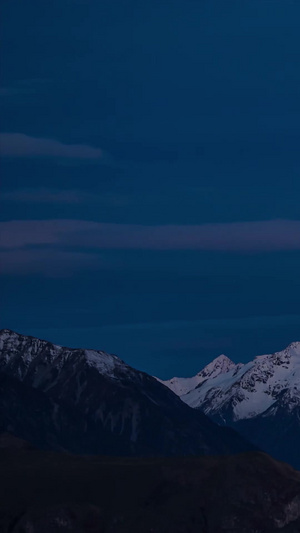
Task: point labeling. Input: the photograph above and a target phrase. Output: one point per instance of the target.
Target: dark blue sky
(150, 177)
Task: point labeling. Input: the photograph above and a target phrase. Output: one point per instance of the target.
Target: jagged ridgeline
(261, 399)
(91, 402)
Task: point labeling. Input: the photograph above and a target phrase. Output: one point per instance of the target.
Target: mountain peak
(88, 401)
(221, 360)
(219, 365)
(294, 348)
(24, 352)
(248, 390)
(7, 334)
(222, 357)
(181, 386)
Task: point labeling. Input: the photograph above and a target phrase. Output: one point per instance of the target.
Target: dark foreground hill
(91, 402)
(48, 492)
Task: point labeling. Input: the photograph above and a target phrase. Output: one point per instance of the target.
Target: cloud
(20, 145)
(64, 197)
(58, 264)
(47, 196)
(258, 236)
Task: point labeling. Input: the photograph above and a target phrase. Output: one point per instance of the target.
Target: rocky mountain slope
(260, 398)
(88, 401)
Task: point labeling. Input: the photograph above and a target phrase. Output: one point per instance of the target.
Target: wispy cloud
(64, 197)
(20, 145)
(258, 236)
(47, 196)
(57, 264)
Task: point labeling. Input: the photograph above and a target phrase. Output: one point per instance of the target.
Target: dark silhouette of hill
(47, 492)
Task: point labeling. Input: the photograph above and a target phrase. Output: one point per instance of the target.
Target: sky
(150, 165)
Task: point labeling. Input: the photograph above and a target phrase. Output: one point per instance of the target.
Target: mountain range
(56, 400)
(91, 402)
(260, 399)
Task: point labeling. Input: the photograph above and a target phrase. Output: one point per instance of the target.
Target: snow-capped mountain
(234, 392)
(182, 386)
(263, 395)
(93, 402)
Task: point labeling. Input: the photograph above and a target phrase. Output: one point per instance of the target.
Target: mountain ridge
(130, 411)
(264, 392)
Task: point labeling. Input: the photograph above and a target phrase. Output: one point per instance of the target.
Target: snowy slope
(29, 357)
(260, 399)
(245, 391)
(182, 386)
(241, 391)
